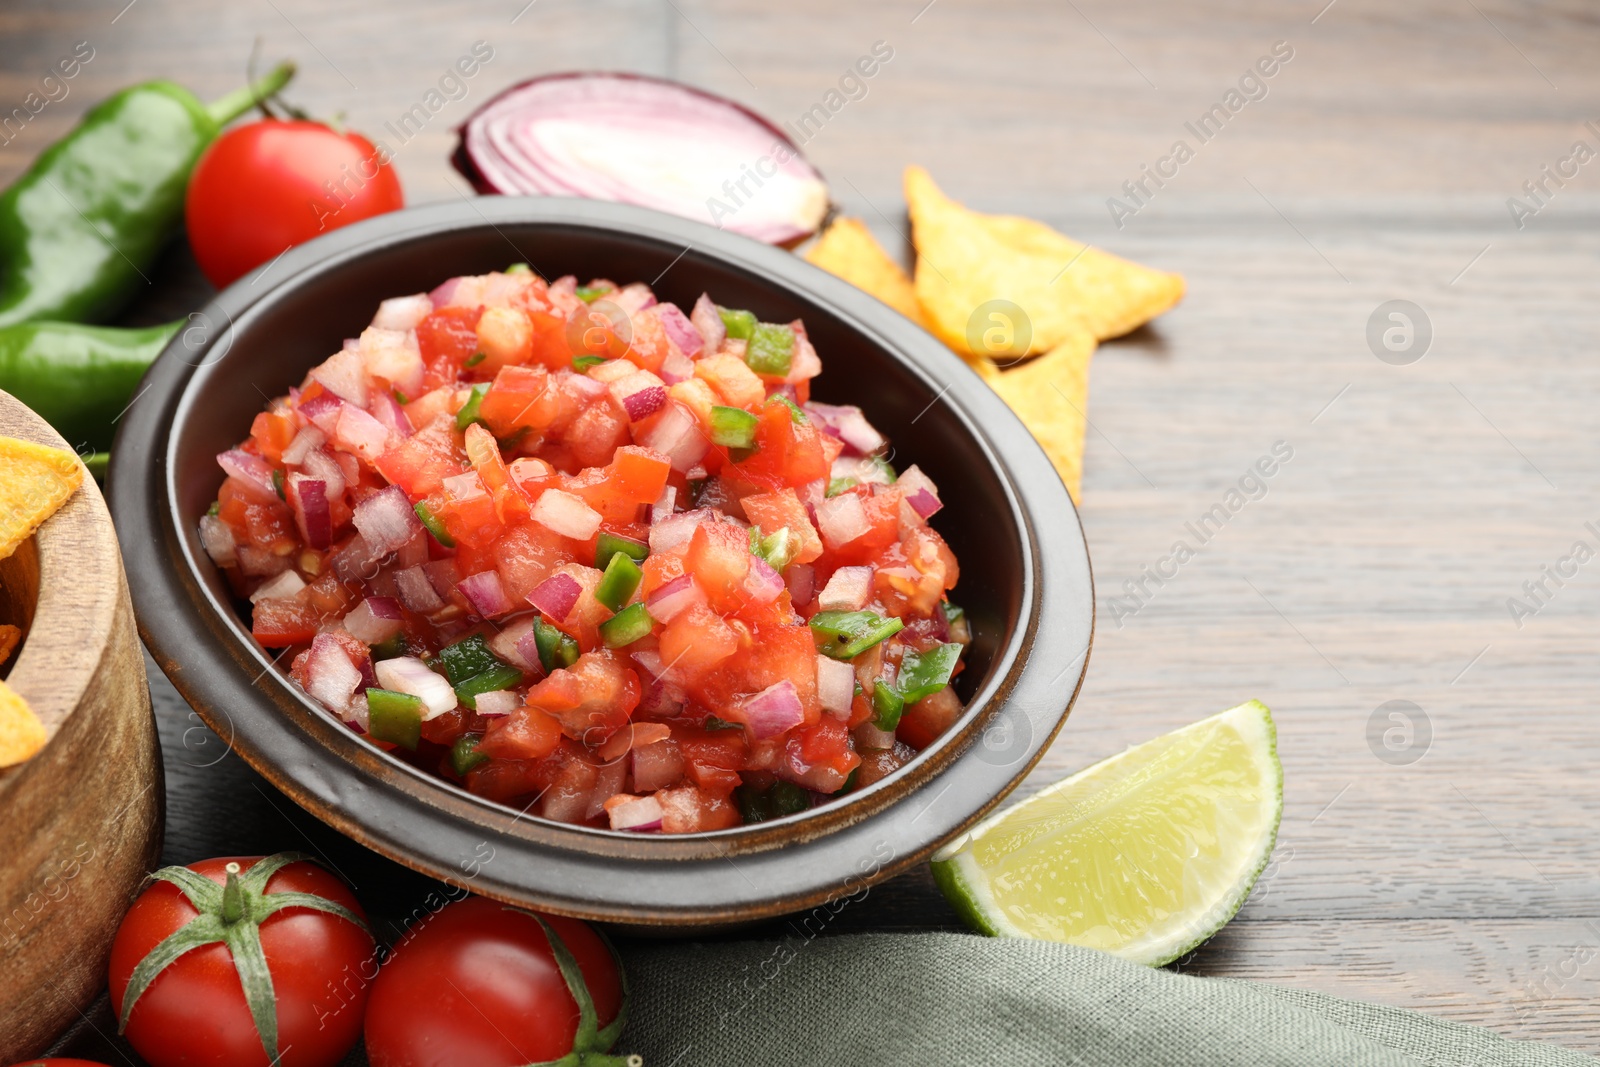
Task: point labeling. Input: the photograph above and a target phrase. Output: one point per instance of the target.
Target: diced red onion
(389, 411)
(801, 578)
(836, 686)
(284, 585)
(607, 784)
(847, 590)
(640, 394)
(441, 294)
(773, 710)
(707, 321)
(841, 519)
(661, 510)
(645, 141)
(407, 674)
(259, 562)
(675, 530)
(358, 432)
(497, 703)
(556, 596)
(528, 653)
(527, 468)
(582, 386)
(677, 367)
(869, 736)
(414, 553)
(507, 644)
(331, 675)
(639, 733)
(322, 411)
(374, 620)
(217, 538)
(445, 574)
(848, 424)
(356, 561)
(322, 466)
(253, 472)
(387, 520)
(403, 312)
(485, 593)
(656, 764)
(634, 298)
(416, 592)
(394, 356)
(344, 375)
(643, 813)
(676, 434)
(308, 438)
(804, 364)
(309, 499)
(762, 583)
(566, 515)
(357, 716)
(673, 597)
(679, 330)
(920, 492)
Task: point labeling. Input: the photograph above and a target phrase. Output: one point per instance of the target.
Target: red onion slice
(344, 375)
(417, 592)
(672, 598)
(374, 620)
(407, 674)
(708, 322)
(217, 538)
(644, 141)
(676, 434)
(307, 439)
(801, 578)
(661, 510)
(403, 312)
(635, 813)
(386, 520)
(322, 411)
(309, 499)
(847, 590)
(254, 472)
(841, 519)
(566, 515)
(641, 394)
(507, 643)
(848, 424)
(497, 703)
(774, 710)
(556, 596)
(331, 676)
(762, 582)
(836, 686)
(679, 330)
(360, 433)
(920, 492)
(485, 593)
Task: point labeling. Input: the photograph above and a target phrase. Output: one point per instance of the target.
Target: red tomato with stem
(269, 954)
(482, 984)
(267, 186)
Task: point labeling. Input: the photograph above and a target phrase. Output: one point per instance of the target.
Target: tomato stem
(232, 896)
(242, 99)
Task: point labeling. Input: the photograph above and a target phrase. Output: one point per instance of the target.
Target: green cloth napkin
(956, 1000)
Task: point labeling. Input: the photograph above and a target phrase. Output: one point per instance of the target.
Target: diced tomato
(696, 641)
(526, 556)
(232, 500)
(924, 721)
(738, 385)
(719, 557)
(513, 402)
(505, 337)
(648, 345)
(690, 810)
(444, 729)
(590, 700)
(782, 509)
(639, 474)
(272, 431)
(447, 339)
(279, 622)
(510, 502)
(595, 434)
(881, 505)
(526, 734)
(270, 526)
(787, 452)
(422, 462)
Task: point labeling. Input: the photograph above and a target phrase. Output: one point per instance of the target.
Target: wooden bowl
(82, 818)
(1025, 579)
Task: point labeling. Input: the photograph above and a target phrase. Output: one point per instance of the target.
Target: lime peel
(1145, 855)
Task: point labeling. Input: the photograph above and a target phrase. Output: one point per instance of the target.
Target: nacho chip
(34, 482)
(10, 638)
(1050, 395)
(848, 249)
(969, 263)
(21, 733)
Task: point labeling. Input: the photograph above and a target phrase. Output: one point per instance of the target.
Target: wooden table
(1450, 864)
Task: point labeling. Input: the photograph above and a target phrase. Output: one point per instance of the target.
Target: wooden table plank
(1377, 564)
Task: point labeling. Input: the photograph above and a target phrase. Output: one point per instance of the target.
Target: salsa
(593, 557)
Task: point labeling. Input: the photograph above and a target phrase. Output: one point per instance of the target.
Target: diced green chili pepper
(464, 754)
(739, 324)
(394, 717)
(626, 626)
(504, 676)
(609, 544)
(401, 398)
(795, 414)
(617, 584)
(849, 783)
(431, 523)
(590, 293)
(475, 359)
(884, 466)
(887, 705)
(789, 799)
(81, 230)
(953, 613)
(468, 658)
(733, 427)
(469, 411)
(556, 649)
(777, 549)
(215, 509)
(839, 485)
(714, 723)
(511, 440)
(755, 805)
(923, 674)
(79, 379)
(771, 349)
(277, 482)
(847, 634)
(518, 268)
(583, 363)
(390, 649)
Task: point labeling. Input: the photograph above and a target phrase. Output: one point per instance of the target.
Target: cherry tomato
(477, 985)
(270, 185)
(195, 1012)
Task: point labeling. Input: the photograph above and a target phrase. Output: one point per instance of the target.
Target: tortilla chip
(21, 733)
(10, 638)
(848, 249)
(967, 259)
(34, 482)
(1050, 395)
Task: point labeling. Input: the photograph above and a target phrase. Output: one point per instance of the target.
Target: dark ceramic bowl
(1024, 568)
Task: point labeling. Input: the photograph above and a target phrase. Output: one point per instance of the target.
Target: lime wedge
(1144, 855)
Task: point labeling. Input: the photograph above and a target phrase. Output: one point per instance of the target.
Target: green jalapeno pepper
(78, 378)
(82, 227)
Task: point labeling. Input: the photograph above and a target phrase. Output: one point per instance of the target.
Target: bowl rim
(181, 612)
